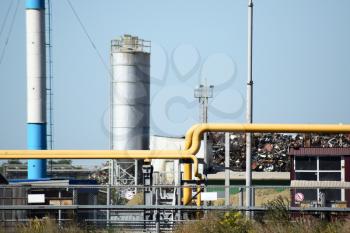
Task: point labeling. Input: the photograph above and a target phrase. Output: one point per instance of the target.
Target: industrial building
(46, 192)
(321, 167)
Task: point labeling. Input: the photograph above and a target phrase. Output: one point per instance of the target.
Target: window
(331, 176)
(306, 175)
(327, 168)
(309, 194)
(332, 194)
(319, 168)
(305, 163)
(330, 163)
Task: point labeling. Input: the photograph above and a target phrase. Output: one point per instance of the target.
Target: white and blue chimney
(36, 85)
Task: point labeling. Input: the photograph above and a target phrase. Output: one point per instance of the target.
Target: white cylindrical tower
(36, 85)
(130, 58)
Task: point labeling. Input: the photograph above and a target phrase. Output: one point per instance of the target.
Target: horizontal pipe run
(92, 154)
(99, 154)
(192, 142)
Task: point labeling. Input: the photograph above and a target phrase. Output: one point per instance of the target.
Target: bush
(276, 219)
(48, 226)
(233, 222)
(278, 210)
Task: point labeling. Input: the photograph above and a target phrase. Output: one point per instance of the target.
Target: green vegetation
(275, 220)
(61, 161)
(51, 226)
(44, 226)
(14, 161)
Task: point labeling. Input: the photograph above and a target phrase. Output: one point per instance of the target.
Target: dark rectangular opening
(305, 163)
(330, 163)
(306, 175)
(332, 194)
(309, 194)
(330, 176)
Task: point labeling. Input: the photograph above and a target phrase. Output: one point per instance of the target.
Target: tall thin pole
(50, 76)
(227, 169)
(111, 180)
(249, 113)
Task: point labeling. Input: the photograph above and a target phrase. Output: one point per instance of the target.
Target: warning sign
(299, 197)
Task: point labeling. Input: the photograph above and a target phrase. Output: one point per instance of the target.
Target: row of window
(325, 163)
(318, 168)
(323, 168)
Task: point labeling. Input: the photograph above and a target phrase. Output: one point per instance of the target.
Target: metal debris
(270, 151)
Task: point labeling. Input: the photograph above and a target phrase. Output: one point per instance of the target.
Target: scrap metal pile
(270, 151)
(100, 174)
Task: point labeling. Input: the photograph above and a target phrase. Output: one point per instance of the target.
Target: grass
(235, 222)
(262, 196)
(45, 226)
(275, 220)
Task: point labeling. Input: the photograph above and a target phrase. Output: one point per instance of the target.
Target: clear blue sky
(301, 64)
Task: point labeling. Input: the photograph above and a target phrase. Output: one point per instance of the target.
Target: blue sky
(301, 64)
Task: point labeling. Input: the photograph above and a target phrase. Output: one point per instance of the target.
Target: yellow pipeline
(98, 154)
(192, 145)
(194, 134)
(187, 192)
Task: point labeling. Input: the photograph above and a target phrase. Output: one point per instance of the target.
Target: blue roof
(28, 180)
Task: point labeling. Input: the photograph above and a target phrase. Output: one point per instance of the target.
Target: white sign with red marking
(299, 197)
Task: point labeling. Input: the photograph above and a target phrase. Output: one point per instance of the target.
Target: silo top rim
(128, 43)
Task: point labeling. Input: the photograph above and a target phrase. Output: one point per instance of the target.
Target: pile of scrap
(270, 150)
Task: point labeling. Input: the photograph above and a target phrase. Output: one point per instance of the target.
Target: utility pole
(227, 169)
(203, 93)
(249, 111)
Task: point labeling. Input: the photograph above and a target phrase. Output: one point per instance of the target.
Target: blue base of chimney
(36, 136)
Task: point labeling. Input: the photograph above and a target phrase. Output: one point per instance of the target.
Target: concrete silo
(130, 103)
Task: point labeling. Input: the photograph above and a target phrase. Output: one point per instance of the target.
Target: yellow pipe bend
(189, 134)
(187, 192)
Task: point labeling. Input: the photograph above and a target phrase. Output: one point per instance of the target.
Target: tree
(62, 161)
(14, 161)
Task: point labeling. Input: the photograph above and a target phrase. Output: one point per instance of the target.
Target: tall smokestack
(36, 85)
